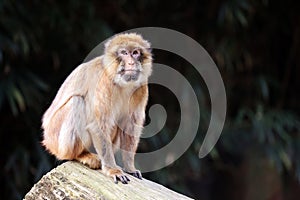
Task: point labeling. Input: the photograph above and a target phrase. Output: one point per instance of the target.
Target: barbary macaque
(102, 104)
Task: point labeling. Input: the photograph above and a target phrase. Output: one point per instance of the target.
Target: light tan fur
(97, 106)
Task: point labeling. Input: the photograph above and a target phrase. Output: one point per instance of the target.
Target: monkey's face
(130, 59)
(130, 65)
(133, 67)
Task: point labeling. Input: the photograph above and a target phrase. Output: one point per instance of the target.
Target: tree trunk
(73, 180)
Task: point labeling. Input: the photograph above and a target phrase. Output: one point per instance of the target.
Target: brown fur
(89, 159)
(98, 106)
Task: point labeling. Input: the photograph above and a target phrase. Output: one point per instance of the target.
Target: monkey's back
(76, 84)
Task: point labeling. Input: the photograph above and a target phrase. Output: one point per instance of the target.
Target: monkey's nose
(131, 62)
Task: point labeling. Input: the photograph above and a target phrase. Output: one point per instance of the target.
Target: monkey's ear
(106, 45)
(149, 50)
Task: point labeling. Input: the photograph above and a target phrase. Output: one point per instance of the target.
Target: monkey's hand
(121, 177)
(116, 174)
(136, 174)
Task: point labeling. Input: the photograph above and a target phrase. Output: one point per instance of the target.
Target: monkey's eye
(124, 52)
(135, 53)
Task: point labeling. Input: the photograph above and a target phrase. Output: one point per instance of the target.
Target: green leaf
(36, 80)
(264, 88)
(12, 104)
(285, 159)
(241, 17)
(19, 98)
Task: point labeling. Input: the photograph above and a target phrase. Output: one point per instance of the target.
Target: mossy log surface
(73, 180)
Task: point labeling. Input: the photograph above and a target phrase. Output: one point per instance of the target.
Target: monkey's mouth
(130, 75)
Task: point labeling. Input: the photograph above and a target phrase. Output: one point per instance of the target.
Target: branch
(72, 180)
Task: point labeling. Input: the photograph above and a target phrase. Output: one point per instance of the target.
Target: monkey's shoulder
(85, 72)
(94, 64)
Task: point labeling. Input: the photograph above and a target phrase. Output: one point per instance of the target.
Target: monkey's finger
(116, 179)
(123, 179)
(127, 178)
(137, 174)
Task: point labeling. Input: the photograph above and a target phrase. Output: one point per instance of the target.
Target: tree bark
(73, 180)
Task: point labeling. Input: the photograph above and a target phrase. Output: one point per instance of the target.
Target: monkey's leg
(73, 138)
(103, 145)
(89, 159)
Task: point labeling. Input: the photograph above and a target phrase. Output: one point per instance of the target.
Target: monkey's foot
(136, 174)
(116, 174)
(89, 159)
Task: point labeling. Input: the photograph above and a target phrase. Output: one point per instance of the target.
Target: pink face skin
(130, 65)
(130, 58)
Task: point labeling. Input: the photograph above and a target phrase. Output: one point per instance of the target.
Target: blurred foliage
(255, 44)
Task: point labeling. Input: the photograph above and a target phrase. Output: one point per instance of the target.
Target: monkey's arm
(103, 146)
(129, 143)
(101, 127)
(133, 130)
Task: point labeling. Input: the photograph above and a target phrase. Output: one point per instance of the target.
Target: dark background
(255, 44)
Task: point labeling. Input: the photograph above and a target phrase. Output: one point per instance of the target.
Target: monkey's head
(128, 59)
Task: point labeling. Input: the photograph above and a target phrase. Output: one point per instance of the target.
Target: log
(72, 180)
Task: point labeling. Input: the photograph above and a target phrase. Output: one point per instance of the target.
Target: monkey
(101, 104)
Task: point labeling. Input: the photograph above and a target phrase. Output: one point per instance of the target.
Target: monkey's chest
(121, 111)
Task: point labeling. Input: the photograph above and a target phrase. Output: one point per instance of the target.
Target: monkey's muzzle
(130, 75)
